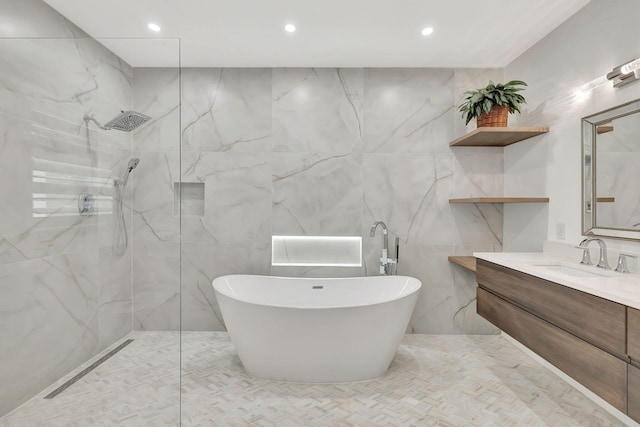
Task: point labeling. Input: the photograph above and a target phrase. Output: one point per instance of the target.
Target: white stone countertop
(617, 287)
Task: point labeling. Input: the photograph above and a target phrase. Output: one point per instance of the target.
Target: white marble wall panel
(49, 322)
(27, 84)
(317, 110)
(15, 168)
(410, 193)
(156, 93)
(115, 79)
(156, 288)
(436, 305)
(63, 295)
(114, 300)
(478, 171)
(152, 182)
(465, 317)
(226, 109)
(156, 224)
(317, 194)
(237, 199)
(155, 239)
(478, 227)
(408, 110)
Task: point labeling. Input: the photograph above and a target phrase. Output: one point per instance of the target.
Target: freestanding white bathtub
(316, 330)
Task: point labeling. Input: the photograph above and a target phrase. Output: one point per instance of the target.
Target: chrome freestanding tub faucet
(385, 261)
(584, 245)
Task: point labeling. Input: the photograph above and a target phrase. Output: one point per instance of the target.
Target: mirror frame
(589, 163)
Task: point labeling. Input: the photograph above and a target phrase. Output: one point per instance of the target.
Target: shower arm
(89, 118)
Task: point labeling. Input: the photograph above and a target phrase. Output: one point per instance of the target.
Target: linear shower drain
(86, 370)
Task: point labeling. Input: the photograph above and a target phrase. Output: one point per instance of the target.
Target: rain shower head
(125, 121)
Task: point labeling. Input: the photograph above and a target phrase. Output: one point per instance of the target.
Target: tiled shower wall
(63, 295)
(309, 152)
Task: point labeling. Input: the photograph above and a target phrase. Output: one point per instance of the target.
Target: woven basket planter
(497, 117)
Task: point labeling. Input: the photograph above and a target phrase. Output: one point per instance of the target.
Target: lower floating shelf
(468, 262)
(501, 200)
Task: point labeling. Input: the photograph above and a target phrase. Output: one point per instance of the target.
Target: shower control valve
(86, 204)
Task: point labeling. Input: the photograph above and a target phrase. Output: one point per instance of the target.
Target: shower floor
(434, 380)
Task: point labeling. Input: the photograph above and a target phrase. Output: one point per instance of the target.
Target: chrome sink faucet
(385, 261)
(584, 245)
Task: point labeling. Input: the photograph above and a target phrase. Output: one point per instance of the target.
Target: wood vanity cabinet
(633, 350)
(633, 396)
(581, 334)
(633, 335)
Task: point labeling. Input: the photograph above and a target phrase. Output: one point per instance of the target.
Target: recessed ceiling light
(427, 30)
(289, 28)
(154, 27)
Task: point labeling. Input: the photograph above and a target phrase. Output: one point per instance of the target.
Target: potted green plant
(491, 105)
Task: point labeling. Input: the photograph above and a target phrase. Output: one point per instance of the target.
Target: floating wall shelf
(501, 200)
(468, 262)
(496, 136)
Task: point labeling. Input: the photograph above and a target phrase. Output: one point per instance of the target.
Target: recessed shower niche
(192, 198)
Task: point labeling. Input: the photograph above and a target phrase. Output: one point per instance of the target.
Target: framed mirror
(611, 172)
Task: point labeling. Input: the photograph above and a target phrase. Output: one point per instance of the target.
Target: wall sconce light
(625, 74)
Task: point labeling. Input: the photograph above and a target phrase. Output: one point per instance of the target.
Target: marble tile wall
(63, 295)
(156, 227)
(310, 152)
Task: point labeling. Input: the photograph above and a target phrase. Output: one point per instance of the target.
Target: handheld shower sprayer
(133, 163)
(121, 239)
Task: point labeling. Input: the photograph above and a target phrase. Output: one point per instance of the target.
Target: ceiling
(330, 33)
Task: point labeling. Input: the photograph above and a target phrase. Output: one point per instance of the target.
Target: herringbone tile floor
(433, 381)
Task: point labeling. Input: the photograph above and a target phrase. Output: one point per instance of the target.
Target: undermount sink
(575, 270)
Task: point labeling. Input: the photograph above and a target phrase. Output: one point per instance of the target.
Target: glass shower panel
(86, 312)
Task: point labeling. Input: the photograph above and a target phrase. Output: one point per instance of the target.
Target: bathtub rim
(324, 307)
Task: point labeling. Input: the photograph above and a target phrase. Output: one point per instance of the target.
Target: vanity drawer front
(634, 393)
(633, 334)
(599, 371)
(596, 320)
